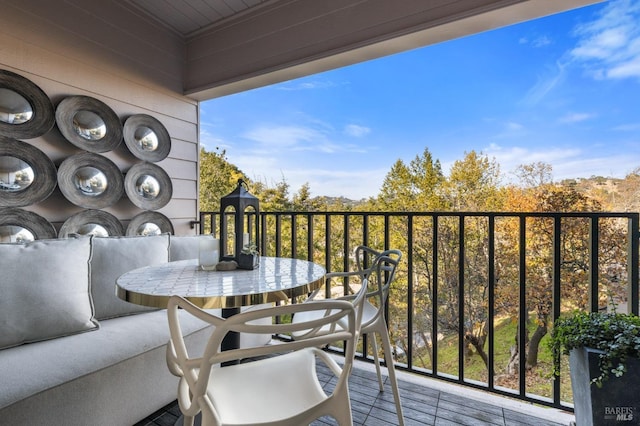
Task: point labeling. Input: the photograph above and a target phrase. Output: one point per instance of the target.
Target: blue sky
(563, 90)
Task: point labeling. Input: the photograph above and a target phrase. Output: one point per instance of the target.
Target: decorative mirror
(92, 222)
(146, 138)
(17, 225)
(149, 223)
(25, 110)
(90, 180)
(89, 124)
(148, 186)
(27, 175)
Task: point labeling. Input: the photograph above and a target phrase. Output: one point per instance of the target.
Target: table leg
(232, 339)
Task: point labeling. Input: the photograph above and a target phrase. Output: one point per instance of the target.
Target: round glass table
(276, 279)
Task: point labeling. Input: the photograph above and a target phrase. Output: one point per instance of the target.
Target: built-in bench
(71, 352)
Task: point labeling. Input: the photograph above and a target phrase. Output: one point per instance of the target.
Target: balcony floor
(425, 402)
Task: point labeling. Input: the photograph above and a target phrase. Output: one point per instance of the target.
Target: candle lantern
(242, 233)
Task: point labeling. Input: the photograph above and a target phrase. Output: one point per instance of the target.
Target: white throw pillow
(44, 290)
(112, 257)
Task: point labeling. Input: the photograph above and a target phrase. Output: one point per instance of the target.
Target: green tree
(218, 177)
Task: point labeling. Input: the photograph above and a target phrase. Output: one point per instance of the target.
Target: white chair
(378, 269)
(281, 387)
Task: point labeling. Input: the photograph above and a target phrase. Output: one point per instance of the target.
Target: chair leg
(374, 346)
(386, 344)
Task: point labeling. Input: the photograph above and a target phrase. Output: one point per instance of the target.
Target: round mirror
(90, 181)
(17, 225)
(92, 222)
(148, 187)
(149, 223)
(92, 229)
(148, 229)
(146, 138)
(15, 174)
(14, 108)
(15, 234)
(25, 110)
(27, 175)
(89, 125)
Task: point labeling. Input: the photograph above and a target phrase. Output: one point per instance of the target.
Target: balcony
(475, 280)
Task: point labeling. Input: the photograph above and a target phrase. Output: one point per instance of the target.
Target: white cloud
(566, 162)
(285, 136)
(308, 85)
(609, 46)
(576, 117)
(545, 84)
(541, 41)
(356, 131)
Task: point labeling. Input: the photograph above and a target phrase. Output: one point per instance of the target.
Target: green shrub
(617, 335)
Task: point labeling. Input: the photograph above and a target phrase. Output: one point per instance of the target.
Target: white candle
(245, 240)
(209, 253)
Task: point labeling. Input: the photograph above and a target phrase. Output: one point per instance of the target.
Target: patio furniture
(277, 279)
(378, 269)
(279, 385)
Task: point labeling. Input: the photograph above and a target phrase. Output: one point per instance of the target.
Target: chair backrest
(379, 269)
(334, 321)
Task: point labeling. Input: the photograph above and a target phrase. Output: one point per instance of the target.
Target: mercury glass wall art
(90, 180)
(92, 222)
(18, 226)
(149, 223)
(146, 138)
(25, 110)
(89, 124)
(148, 186)
(27, 175)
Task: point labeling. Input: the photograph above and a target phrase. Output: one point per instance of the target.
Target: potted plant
(249, 258)
(604, 365)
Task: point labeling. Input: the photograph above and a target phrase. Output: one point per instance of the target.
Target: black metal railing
(477, 292)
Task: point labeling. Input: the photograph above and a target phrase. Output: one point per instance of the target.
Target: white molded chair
(279, 388)
(378, 269)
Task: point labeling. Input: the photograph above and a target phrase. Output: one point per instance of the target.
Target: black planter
(248, 261)
(615, 403)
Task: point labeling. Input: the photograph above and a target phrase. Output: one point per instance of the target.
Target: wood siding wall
(106, 50)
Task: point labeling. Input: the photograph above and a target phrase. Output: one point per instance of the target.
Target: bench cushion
(116, 375)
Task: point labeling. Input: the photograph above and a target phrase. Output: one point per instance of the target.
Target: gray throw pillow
(44, 290)
(185, 247)
(112, 257)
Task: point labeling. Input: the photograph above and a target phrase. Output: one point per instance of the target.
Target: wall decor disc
(146, 138)
(17, 225)
(148, 186)
(27, 175)
(25, 110)
(89, 124)
(149, 223)
(92, 222)
(90, 180)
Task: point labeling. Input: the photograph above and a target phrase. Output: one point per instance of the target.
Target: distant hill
(616, 195)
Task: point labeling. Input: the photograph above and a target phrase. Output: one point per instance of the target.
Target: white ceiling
(187, 17)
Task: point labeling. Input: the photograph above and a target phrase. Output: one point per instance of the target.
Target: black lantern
(243, 234)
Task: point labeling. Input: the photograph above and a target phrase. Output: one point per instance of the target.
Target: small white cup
(209, 253)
